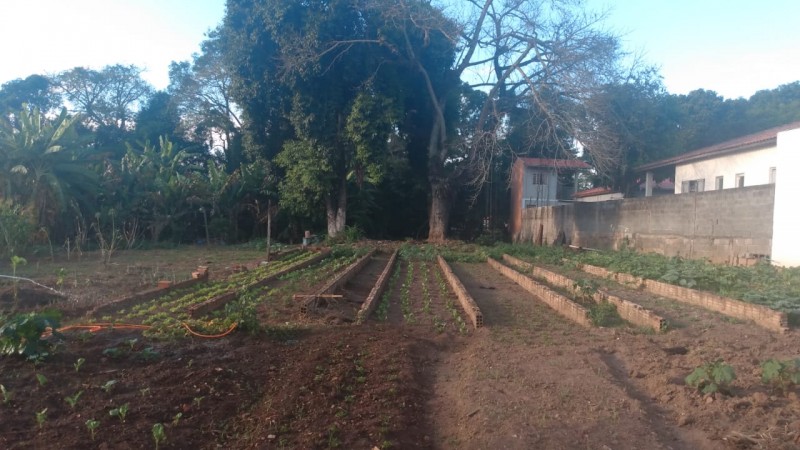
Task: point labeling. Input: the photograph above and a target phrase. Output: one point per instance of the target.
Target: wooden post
(269, 226)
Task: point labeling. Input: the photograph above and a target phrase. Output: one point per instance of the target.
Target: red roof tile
(751, 141)
(557, 163)
(593, 191)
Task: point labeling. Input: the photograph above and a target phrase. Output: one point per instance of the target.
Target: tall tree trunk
(439, 217)
(336, 208)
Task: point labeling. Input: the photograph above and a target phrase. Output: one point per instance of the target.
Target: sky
(733, 47)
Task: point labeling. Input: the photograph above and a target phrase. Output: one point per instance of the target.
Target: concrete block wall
(730, 226)
(380, 286)
(337, 282)
(466, 300)
(629, 311)
(558, 302)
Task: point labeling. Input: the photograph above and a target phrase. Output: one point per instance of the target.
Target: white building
(751, 160)
(746, 161)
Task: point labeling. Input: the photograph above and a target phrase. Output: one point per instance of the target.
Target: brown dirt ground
(529, 379)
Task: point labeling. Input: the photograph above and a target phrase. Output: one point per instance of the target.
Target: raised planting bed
(312, 301)
(169, 314)
(150, 294)
(761, 315)
(203, 308)
(466, 300)
(629, 311)
(380, 286)
(558, 302)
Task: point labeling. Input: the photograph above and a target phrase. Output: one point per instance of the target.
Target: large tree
(35, 91)
(336, 107)
(107, 99)
(202, 92)
(549, 54)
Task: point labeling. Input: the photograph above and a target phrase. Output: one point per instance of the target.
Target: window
(739, 180)
(718, 183)
(538, 178)
(772, 173)
(693, 186)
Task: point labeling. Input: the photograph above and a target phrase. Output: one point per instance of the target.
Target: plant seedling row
(418, 295)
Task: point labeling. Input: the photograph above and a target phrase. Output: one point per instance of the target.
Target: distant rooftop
(749, 142)
(593, 191)
(556, 163)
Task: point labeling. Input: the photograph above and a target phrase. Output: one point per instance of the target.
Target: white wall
(753, 164)
(544, 194)
(786, 218)
(602, 197)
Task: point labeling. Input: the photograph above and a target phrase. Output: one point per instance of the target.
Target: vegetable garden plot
(276, 304)
(677, 314)
(348, 298)
(418, 295)
(167, 314)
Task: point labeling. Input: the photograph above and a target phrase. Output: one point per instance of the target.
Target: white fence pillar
(786, 218)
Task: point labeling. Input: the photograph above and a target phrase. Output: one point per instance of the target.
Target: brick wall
(761, 315)
(731, 226)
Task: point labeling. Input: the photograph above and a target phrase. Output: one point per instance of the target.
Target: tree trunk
(336, 208)
(439, 217)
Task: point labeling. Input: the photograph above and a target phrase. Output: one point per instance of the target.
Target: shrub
(712, 377)
(16, 230)
(22, 334)
(604, 314)
(780, 375)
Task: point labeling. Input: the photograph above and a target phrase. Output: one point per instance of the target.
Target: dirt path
(531, 379)
(654, 367)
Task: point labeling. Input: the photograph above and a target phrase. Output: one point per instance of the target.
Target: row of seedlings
(418, 294)
(167, 314)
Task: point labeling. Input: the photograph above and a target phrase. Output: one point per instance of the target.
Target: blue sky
(734, 47)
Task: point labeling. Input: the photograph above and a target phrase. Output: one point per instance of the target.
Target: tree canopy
(400, 118)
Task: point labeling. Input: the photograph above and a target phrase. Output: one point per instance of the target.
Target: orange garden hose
(95, 327)
(210, 336)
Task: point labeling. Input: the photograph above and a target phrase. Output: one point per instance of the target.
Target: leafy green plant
(584, 289)
(61, 275)
(73, 399)
(77, 364)
(114, 352)
(22, 334)
(148, 354)
(780, 375)
(92, 426)
(16, 261)
(108, 385)
(132, 343)
(712, 377)
(604, 314)
(176, 419)
(159, 435)
(7, 397)
(41, 379)
(41, 417)
(120, 411)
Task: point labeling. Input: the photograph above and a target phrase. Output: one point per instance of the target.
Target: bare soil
(528, 379)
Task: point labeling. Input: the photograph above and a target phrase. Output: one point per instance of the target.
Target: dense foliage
(359, 116)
